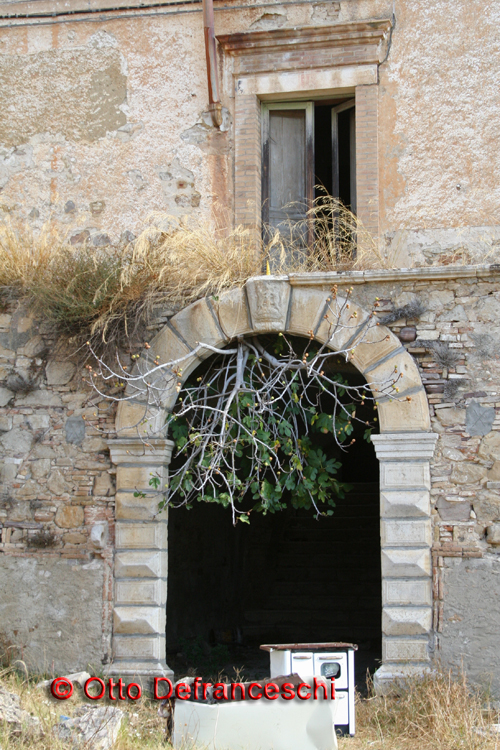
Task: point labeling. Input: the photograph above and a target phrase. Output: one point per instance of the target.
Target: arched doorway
(404, 448)
(288, 576)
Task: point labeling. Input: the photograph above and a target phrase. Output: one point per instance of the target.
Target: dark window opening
(309, 150)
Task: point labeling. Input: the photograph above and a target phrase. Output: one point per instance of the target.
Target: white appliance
(328, 660)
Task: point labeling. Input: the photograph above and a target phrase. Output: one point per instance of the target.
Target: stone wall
(57, 504)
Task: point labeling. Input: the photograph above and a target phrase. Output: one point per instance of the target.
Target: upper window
(309, 149)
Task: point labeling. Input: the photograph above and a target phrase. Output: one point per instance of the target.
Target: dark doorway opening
(284, 578)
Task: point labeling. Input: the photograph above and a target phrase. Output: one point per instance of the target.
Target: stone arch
(404, 447)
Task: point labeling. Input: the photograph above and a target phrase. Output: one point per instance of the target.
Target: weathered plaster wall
(471, 617)
(49, 609)
(438, 103)
(105, 120)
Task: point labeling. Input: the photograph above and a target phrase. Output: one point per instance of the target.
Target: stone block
(392, 377)
(232, 313)
(34, 347)
(406, 563)
(453, 511)
(133, 419)
(59, 373)
(103, 485)
(138, 477)
(156, 451)
(99, 534)
(130, 508)
(140, 647)
(451, 417)
(467, 473)
(479, 419)
(490, 446)
(69, 516)
(6, 423)
(38, 421)
(487, 507)
(40, 398)
(139, 620)
(73, 538)
(404, 474)
(494, 472)
(74, 429)
(405, 446)
(306, 308)
(343, 324)
(57, 484)
(148, 535)
(397, 533)
(376, 344)
(94, 445)
(493, 534)
(406, 620)
(268, 299)
(141, 565)
(404, 649)
(409, 414)
(40, 468)
(197, 325)
(405, 503)
(407, 593)
(148, 593)
(5, 396)
(17, 441)
(169, 346)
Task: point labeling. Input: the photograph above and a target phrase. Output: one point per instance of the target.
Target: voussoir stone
(69, 516)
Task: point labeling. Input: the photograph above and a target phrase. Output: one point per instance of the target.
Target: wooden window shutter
(288, 169)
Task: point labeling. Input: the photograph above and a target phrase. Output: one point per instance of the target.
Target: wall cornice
(428, 273)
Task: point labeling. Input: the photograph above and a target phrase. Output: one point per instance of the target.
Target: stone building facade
(106, 119)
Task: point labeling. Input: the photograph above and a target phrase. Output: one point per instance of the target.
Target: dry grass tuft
(434, 711)
(107, 293)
